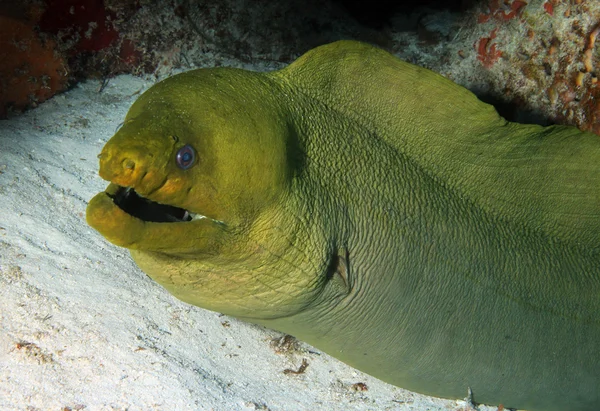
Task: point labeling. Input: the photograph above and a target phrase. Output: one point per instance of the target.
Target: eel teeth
(189, 216)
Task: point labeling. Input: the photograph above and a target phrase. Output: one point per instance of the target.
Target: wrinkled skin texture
(379, 212)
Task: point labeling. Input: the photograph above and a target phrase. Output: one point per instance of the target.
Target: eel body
(377, 211)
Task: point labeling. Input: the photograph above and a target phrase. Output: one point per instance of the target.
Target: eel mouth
(128, 200)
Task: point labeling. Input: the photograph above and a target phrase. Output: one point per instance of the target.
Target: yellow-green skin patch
(379, 212)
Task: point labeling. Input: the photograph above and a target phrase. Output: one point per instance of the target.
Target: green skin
(379, 212)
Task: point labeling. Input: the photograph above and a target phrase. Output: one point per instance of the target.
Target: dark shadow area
(376, 14)
(515, 111)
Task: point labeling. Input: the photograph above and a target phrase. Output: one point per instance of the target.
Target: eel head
(189, 165)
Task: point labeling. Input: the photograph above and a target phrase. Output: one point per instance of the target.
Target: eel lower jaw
(105, 213)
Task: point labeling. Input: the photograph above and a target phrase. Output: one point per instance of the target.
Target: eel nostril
(128, 164)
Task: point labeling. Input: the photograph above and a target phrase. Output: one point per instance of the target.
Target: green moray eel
(377, 211)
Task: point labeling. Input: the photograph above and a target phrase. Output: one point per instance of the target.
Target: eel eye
(186, 157)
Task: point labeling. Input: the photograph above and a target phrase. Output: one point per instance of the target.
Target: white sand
(83, 328)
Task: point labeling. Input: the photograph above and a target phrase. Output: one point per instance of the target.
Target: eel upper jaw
(128, 200)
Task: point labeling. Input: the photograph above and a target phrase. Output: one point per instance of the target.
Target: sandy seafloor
(83, 328)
